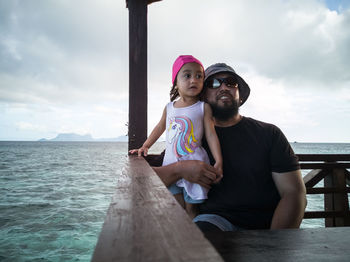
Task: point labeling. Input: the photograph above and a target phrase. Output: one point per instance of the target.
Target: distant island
(70, 137)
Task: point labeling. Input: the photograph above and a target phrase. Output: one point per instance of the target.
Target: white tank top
(184, 132)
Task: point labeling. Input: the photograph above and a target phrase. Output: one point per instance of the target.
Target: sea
(55, 195)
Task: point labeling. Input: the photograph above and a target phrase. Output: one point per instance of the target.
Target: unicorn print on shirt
(180, 135)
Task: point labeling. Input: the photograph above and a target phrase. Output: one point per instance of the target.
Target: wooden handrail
(145, 223)
(324, 165)
(332, 169)
(326, 190)
(326, 214)
(324, 157)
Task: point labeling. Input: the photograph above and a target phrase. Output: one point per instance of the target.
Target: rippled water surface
(54, 197)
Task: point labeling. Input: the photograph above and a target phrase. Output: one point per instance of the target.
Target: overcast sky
(64, 64)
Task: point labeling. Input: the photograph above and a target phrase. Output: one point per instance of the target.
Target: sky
(64, 64)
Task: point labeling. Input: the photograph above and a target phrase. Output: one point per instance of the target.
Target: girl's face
(190, 80)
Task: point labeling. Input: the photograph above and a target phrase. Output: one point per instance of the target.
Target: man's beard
(224, 113)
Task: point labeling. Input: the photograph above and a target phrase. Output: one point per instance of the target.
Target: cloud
(293, 40)
(29, 126)
(50, 54)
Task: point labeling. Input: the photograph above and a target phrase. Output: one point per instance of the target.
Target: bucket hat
(243, 87)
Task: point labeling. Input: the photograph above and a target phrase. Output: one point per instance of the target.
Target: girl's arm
(153, 137)
(212, 138)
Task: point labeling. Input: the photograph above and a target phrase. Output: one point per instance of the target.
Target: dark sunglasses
(216, 82)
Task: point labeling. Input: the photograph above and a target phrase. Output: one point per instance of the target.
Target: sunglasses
(216, 82)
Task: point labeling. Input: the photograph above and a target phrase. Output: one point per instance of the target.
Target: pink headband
(181, 60)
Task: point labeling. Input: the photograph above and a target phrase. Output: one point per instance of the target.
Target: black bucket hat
(243, 87)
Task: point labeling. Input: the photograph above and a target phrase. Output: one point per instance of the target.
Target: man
(262, 186)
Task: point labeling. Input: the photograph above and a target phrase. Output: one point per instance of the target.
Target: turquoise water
(54, 196)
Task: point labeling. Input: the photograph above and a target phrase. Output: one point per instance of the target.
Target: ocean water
(54, 196)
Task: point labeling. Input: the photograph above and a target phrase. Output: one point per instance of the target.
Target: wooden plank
(137, 73)
(347, 177)
(325, 214)
(324, 157)
(152, 1)
(321, 244)
(329, 201)
(304, 165)
(145, 223)
(314, 176)
(148, 2)
(341, 202)
(326, 190)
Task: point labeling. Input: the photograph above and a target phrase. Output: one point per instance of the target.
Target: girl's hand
(139, 151)
(218, 167)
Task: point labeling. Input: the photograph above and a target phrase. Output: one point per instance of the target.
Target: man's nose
(223, 86)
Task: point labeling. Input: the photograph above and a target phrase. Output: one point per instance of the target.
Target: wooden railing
(332, 169)
(145, 223)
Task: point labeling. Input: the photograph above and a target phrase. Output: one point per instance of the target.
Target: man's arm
(290, 210)
(194, 171)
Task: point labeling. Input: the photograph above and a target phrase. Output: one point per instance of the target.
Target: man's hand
(199, 172)
(194, 171)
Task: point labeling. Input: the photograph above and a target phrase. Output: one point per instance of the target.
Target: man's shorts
(218, 221)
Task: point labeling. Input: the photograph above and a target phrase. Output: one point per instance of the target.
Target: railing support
(337, 201)
(331, 169)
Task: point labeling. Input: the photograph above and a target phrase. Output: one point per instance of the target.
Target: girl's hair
(174, 93)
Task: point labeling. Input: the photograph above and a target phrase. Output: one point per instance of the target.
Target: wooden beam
(313, 177)
(341, 201)
(347, 177)
(325, 214)
(326, 190)
(329, 201)
(145, 223)
(137, 72)
(148, 2)
(332, 165)
(324, 157)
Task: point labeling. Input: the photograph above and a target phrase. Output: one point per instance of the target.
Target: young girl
(185, 120)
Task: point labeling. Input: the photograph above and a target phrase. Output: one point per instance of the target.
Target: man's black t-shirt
(247, 195)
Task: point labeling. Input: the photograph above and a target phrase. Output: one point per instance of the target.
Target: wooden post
(329, 200)
(341, 201)
(337, 201)
(137, 72)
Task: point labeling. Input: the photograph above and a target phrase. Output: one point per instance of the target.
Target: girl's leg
(180, 199)
(191, 209)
